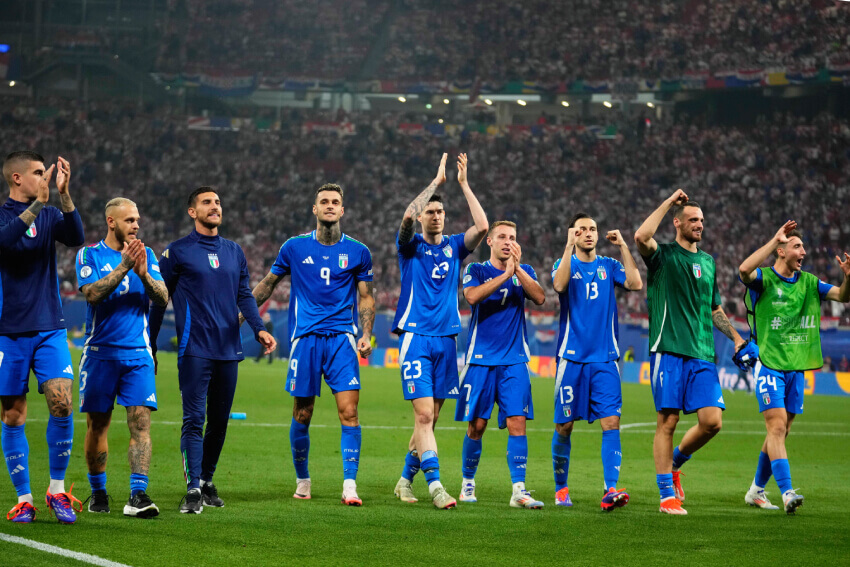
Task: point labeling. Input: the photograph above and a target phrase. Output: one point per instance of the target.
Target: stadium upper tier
(748, 181)
(506, 40)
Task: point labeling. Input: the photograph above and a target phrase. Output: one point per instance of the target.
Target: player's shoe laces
(193, 502)
(140, 505)
(562, 497)
(614, 499)
(467, 492)
(210, 494)
(22, 513)
(98, 503)
(524, 499)
(442, 500)
(349, 496)
(758, 498)
(677, 485)
(792, 501)
(672, 506)
(404, 491)
(302, 488)
(62, 506)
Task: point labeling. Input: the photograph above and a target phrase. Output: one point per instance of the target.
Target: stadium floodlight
(488, 102)
(440, 120)
(446, 101)
(565, 104)
(11, 83)
(428, 106)
(650, 105)
(402, 99)
(521, 102)
(607, 104)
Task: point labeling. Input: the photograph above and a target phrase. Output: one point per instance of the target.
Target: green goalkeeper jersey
(681, 293)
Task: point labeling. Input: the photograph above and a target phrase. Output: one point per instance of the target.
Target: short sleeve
(716, 299)
(555, 267)
(457, 242)
(655, 260)
(618, 273)
(823, 289)
(757, 285)
(87, 271)
(153, 266)
(530, 271)
(472, 276)
(408, 249)
(281, 264)
(365, 273)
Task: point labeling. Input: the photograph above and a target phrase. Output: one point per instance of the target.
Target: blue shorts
(684, 383)
(779, 389)
(333, 356)
(428, 367)
(587, 391)
(45, 353)
(132, 382)
(483, 386)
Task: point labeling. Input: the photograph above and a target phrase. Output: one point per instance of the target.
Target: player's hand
(441, 172)
(63, 175)
(781, 236)
(127, 258)
(267, 340)
(572, 236)
(615, 238)
(516, 251)
(461, 169)
(140, 257)
(511, 265)
(43, 194)
(746, 355)
(364, 347)
(678, 198)
(845, 266)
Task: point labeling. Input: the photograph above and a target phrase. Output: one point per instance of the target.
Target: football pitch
(262, 524)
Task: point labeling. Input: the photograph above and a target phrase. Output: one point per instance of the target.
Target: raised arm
(69, 230)
(644, 236)
(561, 280)
(476, 233)
(102, 288)
(633, 280)
(747, 269)
(367, 317)
(721, 321)
(842, 293)
(406, 230)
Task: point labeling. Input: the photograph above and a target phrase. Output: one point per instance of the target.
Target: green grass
(263, 525)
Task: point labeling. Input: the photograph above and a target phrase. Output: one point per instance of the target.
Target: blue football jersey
(323, 296)
(117, 327)
(589, 329)
(497, 333)
(429, 278)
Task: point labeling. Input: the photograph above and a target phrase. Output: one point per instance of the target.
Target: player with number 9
(587, 384)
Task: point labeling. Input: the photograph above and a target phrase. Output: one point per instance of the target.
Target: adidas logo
(308, 260)
(618, 469)
(576, 276)
(354, 382)
(525, 409)
(65, 453)
(106, 268)
(68, 370)
(17, 469)
(720, 400)
(453, 392)
(151, 398)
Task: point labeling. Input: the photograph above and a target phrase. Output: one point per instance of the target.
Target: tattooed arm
(721, 321)
(263, 290)
(405, 231)
(156, 289)
(367, 317)
(100, 290)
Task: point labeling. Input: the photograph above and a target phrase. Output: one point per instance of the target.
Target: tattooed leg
(139, 453)
(96, 446)
(57, 392)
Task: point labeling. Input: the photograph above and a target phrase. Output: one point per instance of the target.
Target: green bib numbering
(786, 320)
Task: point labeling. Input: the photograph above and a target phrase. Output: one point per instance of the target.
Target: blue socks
(430, 467)
(60, 440)
(138, 483)
(97, 482)
(665, 485)
(349, 444)
(679, 458)
(782, 474)
(471, 456)
(763, 470)
(411, 465)
(561, 447)
(299, 440)
(612, 457)
(517, 457)
(16, 451)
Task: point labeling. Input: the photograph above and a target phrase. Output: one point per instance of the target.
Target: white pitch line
(84, 557)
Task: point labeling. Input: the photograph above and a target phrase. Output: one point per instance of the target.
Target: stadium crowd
(748, 181)
(537, 40)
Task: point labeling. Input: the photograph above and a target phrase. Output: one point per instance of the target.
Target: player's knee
(425, 417)
(712, 426)
(564, 429)
(139, 423)
(60, 408)
(348, 415)
(303, 414)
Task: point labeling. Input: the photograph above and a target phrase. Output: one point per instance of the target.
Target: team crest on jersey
(447, 250)
(601, 273)
(213, 260)
(86, 271)
(515, 280)
(697, 271)
(766, 399)
(568, 412)
(31, 231)
(411, 387)
(343, 261)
